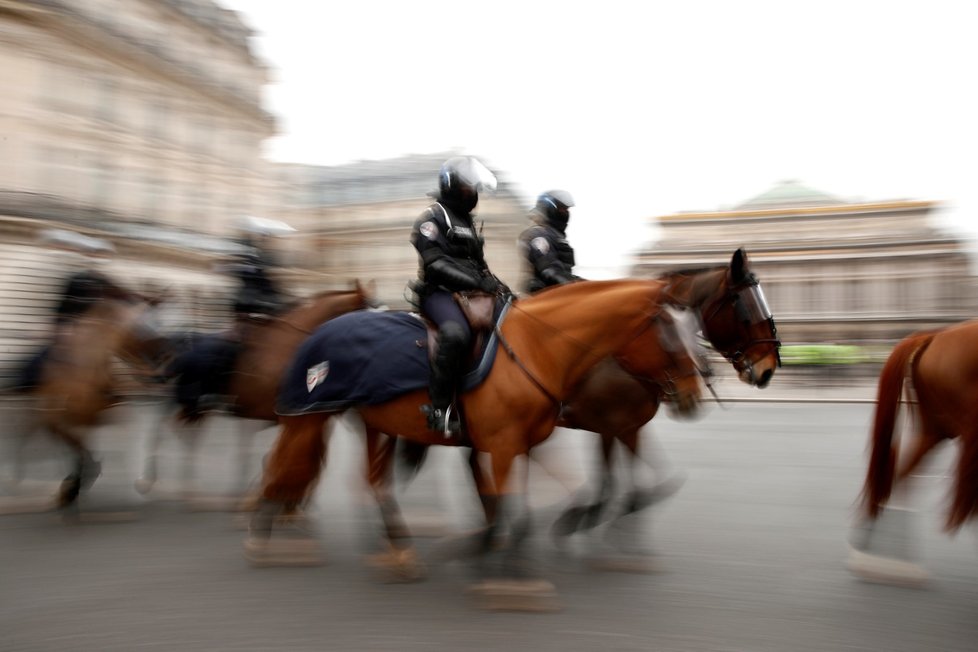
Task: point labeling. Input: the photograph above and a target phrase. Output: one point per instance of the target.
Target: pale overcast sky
(638, 108)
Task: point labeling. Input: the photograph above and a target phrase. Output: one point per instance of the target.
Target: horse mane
(564, 295)
(688, 271)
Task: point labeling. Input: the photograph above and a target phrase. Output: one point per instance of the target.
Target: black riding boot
(442, 417)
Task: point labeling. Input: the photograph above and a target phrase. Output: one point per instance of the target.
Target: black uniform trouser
(454, 339)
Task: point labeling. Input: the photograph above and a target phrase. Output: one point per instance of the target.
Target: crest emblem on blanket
(316, 374)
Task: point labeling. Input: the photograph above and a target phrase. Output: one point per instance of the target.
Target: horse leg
(625, 535)
(35, 497)
(922, 444)
(292, 468)
(579, 516)
(247, 429)
(400, 559)
(513, 589)
(965, 502)
(145, 483)
(25, 427)
(665, 483)
(248, 493)
(84, 472)
(882, 549)
(641, 497)
(478, 541)
(190, 439)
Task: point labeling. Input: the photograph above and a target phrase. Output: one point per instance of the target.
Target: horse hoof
(290, 552)
(516, 595)
(69, 491)
(643, 498)
(878, 569)
(398, 566)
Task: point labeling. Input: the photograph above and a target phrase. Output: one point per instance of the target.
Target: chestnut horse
(616, 405)
(266, 350)
(552, 341)
(938, 370)
(76, 383)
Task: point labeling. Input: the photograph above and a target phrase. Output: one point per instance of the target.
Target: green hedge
(822, 354)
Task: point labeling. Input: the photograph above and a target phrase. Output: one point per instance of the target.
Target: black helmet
(555, 206)
(460, 181)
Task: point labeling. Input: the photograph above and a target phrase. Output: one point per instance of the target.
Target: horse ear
(739, 266)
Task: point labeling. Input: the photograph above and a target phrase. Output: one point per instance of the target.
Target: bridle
(750, 308)
(667, 333)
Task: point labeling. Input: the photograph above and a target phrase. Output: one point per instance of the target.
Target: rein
(286, 322)
(526, 371)
(671, 342)
(653, 318)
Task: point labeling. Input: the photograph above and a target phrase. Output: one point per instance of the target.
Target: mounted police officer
(84, 287)
(258, 293)
(203, 371)
(451, 260)
(544, 245)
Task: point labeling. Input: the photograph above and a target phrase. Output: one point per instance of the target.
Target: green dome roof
(789, 193)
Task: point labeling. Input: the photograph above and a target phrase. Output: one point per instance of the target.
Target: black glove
(489, 284)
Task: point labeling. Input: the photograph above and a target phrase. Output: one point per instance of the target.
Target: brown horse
(616, 405)
(939, 372)
(76, 382)
(266, 349)
(676, 380)
(553, 340)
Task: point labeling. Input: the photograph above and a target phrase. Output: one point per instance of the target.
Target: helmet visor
(561, 197)
(473, 173)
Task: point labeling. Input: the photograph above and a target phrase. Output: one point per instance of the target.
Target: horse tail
(882, 461)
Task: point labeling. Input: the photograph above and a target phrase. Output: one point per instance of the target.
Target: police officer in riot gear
(258, 292)
(81, 291)
(544, 244)
(451, 260)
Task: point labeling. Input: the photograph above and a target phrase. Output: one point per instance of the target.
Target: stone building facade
(139, 122)
(833, 270)
(137, 111)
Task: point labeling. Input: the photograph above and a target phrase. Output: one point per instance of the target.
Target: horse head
(734, 315)
(367, 292)
(671, 369)
(740, 324)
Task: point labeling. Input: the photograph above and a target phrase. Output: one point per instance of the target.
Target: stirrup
(445, 422)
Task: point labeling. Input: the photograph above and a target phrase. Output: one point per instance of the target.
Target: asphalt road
(750, 555)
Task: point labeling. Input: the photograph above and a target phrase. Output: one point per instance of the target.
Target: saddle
(479, 309)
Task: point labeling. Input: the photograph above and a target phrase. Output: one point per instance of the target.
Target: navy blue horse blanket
(363, 358)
